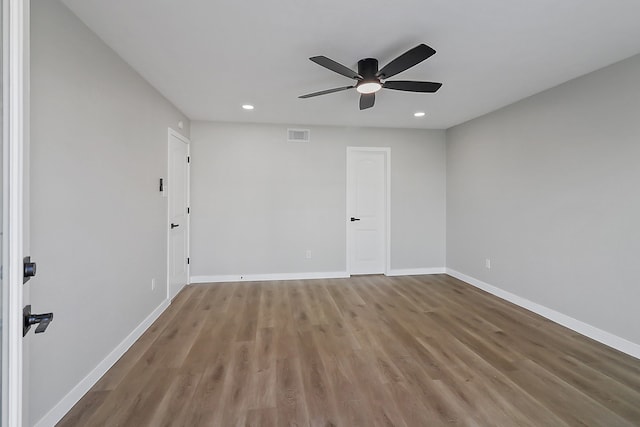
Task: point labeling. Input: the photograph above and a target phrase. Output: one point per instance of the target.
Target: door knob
(354, 219)
(42, 320)
(174, 225)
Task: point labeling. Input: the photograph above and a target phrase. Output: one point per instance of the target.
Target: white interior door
(178, 226)
(367, 210)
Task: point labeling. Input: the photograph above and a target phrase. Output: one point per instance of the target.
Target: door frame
(387, 203)
(15, 43)
(188, 232)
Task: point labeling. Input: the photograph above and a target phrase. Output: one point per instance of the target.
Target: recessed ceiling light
(419, 114)
(248, 107)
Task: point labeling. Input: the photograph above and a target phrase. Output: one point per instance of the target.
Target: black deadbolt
(29, 269)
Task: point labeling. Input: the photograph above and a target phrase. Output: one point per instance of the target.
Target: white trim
(179, 136)
(583, 328)
(268, 277)
(15, 15)
(66, 403)
(416, 271)
(387, 201)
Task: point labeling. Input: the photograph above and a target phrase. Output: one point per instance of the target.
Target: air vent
(298, 135)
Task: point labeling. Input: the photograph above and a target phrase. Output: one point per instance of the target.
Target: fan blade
(367, 100)
(336, 67)
(324, 92)
(406, 60)
(411, 86)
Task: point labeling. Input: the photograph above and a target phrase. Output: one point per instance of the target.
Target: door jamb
(15, 39)
(188, 142)
(387, 202)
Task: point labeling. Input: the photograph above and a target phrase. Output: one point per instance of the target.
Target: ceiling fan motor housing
(368, 68)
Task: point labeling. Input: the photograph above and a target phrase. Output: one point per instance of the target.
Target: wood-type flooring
(365, 351)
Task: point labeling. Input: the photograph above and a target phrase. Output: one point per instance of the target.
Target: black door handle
(174, 225)
(354, 219)
(42, 320)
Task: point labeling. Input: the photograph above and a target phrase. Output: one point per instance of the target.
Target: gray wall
(99, 145)
(548, 190)
(259, 202)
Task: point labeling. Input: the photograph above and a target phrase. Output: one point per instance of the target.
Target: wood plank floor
(365, 351)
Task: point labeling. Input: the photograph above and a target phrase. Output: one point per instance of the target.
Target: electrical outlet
(153, 284)
(308, 254)
(487, 263)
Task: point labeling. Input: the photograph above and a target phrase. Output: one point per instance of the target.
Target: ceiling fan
(370, 79)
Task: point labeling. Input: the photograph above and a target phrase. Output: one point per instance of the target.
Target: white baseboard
(307, 276)
(416, 271)
(590, 331)
(63, 406)
(269, 277)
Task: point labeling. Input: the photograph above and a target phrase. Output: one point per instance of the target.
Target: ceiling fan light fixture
(369, 78)
(248, 107)
(369, 87)
(419, 114)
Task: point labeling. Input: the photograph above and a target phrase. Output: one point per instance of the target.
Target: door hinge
(188, 260)
(188, 159)
(188, 210)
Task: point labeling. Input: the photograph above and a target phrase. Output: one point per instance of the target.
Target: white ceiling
(210, 57)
